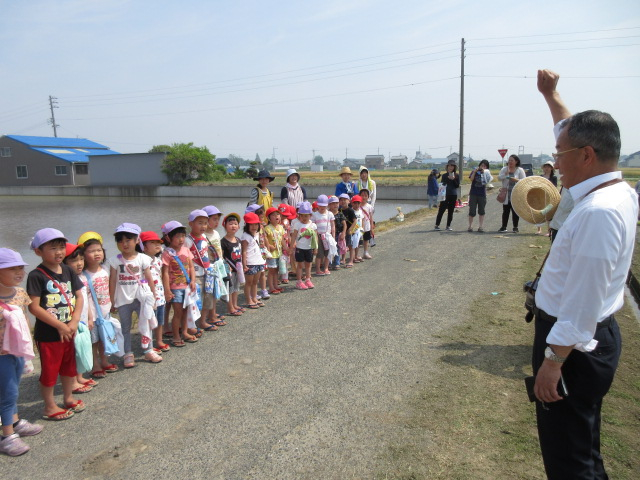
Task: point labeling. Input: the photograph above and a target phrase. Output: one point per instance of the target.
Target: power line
(276, 73)
(261, 87)
(556, 34)
(268, 103)
(555, 49)
(556, 42)
(563, 76)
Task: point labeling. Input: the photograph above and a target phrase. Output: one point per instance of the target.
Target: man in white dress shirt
(577, 340)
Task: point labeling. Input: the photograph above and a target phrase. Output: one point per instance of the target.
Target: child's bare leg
(67, 390)
(247, 289)
(50, 405)
(351, 257)
(176, 322)
(205, 318)
(157, 333)
(299, 276)
(318, 265)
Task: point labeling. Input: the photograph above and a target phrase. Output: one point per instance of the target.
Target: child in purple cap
(131, 289)
(13, 302)
(56, 302)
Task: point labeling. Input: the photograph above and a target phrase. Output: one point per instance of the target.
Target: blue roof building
(45, 161)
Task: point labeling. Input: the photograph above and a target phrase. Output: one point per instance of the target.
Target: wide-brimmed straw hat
(535, 199)
(344, 170)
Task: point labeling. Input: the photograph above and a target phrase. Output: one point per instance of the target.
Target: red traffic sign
(502, 151)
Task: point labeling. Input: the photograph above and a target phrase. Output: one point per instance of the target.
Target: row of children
(76, 285)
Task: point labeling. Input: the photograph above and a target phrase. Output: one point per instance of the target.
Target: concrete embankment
(399, 192)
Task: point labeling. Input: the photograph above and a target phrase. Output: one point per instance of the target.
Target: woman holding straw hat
(510, 175)
(548, 172)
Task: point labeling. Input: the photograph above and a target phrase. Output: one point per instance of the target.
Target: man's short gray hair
(595, 129)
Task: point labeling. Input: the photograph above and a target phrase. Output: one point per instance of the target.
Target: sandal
(253, 306)
(167, 334)
(91, 382)
(164, 347)
(111, 368)
(77, 406)
(62, 415)
(219, 323)
(237, 313)
(219, 317)
(152, 357)
(177, 343)
(82, 389)
(129, 361)
(191, 339)
(260, 304)
(98, 374)
(211, 328)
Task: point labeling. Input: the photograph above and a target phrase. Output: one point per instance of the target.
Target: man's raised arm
(547, 82)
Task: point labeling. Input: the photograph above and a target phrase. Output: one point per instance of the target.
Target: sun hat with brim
(550, 163)
(86, 236)
(292, 171)
(356, 198)
(334, 199)
(323, 201)
(344, 170)
(271, 210)
(129, 228)
(70, 248)
(197, 213)
(264, 174)
(293, 214)
(287, 210)
(170, 226)
(149, 236)
(535, 199)
(231, 215)
(10, 258)
(46, 235)
(304, 208)
(250, 218)
(253, 208)
(212, 210)
(345, 195)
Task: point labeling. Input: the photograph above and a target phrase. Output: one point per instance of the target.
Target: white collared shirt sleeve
(595, 246)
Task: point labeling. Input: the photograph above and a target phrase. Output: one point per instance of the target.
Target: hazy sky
(246, 76)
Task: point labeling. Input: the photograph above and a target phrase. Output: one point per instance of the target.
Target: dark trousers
(449, 204)
(569, 430)
(506, 210)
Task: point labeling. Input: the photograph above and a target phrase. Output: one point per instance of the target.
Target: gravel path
(311, 386)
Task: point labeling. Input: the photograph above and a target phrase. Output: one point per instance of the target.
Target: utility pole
(461, 156)
(273, 154)
(53, 104)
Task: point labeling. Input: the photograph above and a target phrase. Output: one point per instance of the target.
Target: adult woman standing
(293, 193)
(549, 173)
(480, 178)
(260, 194)
(510, 175)
(365, 181)
(452, 180)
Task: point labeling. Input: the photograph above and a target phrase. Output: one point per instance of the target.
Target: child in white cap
(131, 289)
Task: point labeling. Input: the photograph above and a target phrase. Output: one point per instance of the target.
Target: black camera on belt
(530, 298)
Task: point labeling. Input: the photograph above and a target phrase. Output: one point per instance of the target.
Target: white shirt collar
(580, 190)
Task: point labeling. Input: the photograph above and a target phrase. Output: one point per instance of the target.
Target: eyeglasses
(559, 154)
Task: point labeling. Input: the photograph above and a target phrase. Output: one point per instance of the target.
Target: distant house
(416, 164)
(331, 165)
(46, 161)
(374, 162)
(633, 160)
(353, 163)
(398, 161)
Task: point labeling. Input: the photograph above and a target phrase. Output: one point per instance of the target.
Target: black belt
(544, 316)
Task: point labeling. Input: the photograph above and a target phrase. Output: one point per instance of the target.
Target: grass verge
(473, 420)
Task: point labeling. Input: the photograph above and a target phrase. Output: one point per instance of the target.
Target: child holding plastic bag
(16, 348)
